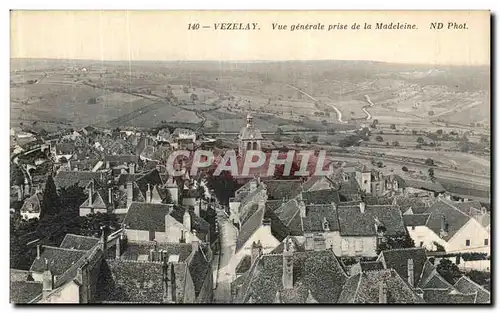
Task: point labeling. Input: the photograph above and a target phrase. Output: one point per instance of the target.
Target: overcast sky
(163, 35)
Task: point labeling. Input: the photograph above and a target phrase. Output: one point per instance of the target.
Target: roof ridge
(473, 282)
(29, 281)
(82, 236)
(456, 209)
(404, 249)
(65, 249)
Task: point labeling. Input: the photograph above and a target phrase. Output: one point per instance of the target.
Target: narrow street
(228, 235)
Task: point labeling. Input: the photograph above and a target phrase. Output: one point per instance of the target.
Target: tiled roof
(99, 200)
(324, 196)
(137, 248)
(123, 179)
(19, 275)
(310, 182)
(66, 179)
(152, 178)
(447, 296)
(78, 242)
(272, 205)
(371, 266)
(199, 268)
(289, 215)
(317, 271)
(316, 215)
(33, 204)
(278, 229)
(253, 223)
(83, 165)
(282, 189)
(245, 215)
(469, 207)
(24, 291)
(287, 211)
(467, 286)
(65, 148)
(435, 281)
(415, 219)
(364, 288)
(349, 186)
(91, 256)
(397, 259)
(354, 223)
(373, 200)
(414, 203)
(127, 281)
(455, 218)
(427, 272)
(244, 265)
(147, 216)
(120, 159)
(59, 259)
(425, 185)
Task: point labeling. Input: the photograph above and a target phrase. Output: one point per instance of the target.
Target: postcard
(248, 157)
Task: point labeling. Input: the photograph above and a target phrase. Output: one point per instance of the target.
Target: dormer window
(326, 226)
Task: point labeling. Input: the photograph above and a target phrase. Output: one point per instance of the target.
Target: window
(345, 245)
(365, 182)
(421, 243)
(486, 242)
(467, 242)
(358, 245)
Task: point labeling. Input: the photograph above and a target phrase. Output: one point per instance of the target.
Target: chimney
(90, 188)
(107, 164)
(419, 292)
(253, 185)
(48, 280)
(256, 251)
(130, 193)
(20, 195)
(382, 292)
(38, 250)
(362, 207)
(148, 194)
(309, 245)
(186, 220)
(195, 242)
(302, 208)
(411, 277)
(110, 196)
(104, 240)
(131, 168)
(169, 292)
(118, 247)
(183, 237)
(287, 277)
(326, 225)
(444, 228)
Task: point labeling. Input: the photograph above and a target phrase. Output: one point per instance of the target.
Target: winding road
(370, 104)
(339, 114)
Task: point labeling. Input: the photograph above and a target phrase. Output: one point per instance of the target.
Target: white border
(191, 5)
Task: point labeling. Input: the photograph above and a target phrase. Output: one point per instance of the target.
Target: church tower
(249, 138)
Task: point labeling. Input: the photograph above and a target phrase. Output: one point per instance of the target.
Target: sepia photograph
(250, 157)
